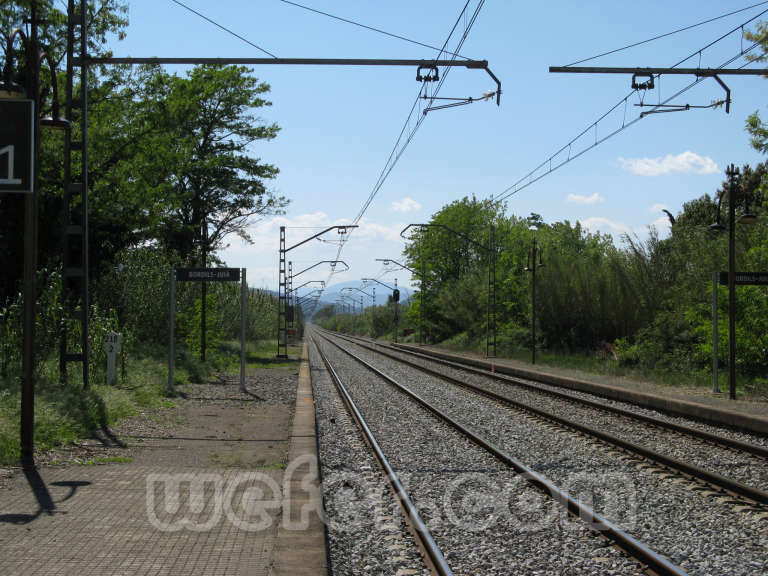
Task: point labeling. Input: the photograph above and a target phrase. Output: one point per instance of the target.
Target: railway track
(707, 501)
(677, 448)
(593, 524)
(432, 554)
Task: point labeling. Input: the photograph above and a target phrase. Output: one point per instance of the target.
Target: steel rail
(628, 543)
(710, 477)
(701, 434)
(428, 544)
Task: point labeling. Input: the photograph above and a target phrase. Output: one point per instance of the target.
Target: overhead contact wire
(233, 33)
(684, 29)
(371, 28)
(395, 154)
(515, 188)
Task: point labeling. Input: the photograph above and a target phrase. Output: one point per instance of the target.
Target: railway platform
(224, 484)
(750, 415)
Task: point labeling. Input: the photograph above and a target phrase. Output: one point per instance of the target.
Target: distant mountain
(332, 293)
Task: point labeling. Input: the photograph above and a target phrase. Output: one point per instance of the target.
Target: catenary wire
(395, 154)
(633, 45)
(371, 28)
(599, 141)
(516, 187)
(235, 34)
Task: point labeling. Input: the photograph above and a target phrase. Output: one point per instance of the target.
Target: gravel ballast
(701, 533)
(366, 531)
(485, 517)
(741, 466)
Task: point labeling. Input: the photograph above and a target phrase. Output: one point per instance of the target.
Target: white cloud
(658, 208)
(579, 199)
(661, 223)
(407, 204)
(604, 225)
(687, 162)
(374, 231)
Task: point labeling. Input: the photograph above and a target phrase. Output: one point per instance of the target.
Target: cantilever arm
(331, 262)
(340, 228)
(403, 266)
(387, 286)
(451, 230)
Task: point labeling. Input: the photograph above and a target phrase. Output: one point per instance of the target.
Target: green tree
(757, 129)
(106, 18)
(210, 132)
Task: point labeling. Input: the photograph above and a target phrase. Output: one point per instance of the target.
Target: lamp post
(531, 267)
(387, 261)
(732, 172)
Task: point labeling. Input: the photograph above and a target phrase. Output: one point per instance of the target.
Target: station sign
(746, 278)
(17, 145)
(208, 274)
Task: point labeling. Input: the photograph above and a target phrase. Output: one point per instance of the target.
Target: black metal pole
(84, 169)
(204, 297)
(27, 423)
(731, 172)
(421, 302)
(533, 304)
(491, 306)
(396, 303)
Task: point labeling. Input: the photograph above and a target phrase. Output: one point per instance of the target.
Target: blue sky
(340, 124)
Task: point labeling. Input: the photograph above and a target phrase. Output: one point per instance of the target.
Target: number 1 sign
(17, 133)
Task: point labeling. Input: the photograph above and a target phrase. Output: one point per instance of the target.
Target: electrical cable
(310, 9)
(235, 34)
(668, 34)
(395, 154)
(517, 187)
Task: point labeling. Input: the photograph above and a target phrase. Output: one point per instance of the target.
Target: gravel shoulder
(756, 404)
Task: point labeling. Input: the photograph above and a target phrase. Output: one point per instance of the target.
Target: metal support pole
(731, 172)
(76, 247)
(172, 326)
(290, 306)
(373, 325)
(490, 328)
(421, 302)
(533, 305)
(243, 321)
(86, 346)
(282, 348)
(396, 303)
(27, 421)
(715, 367)
(203, 308)
(494, 295)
